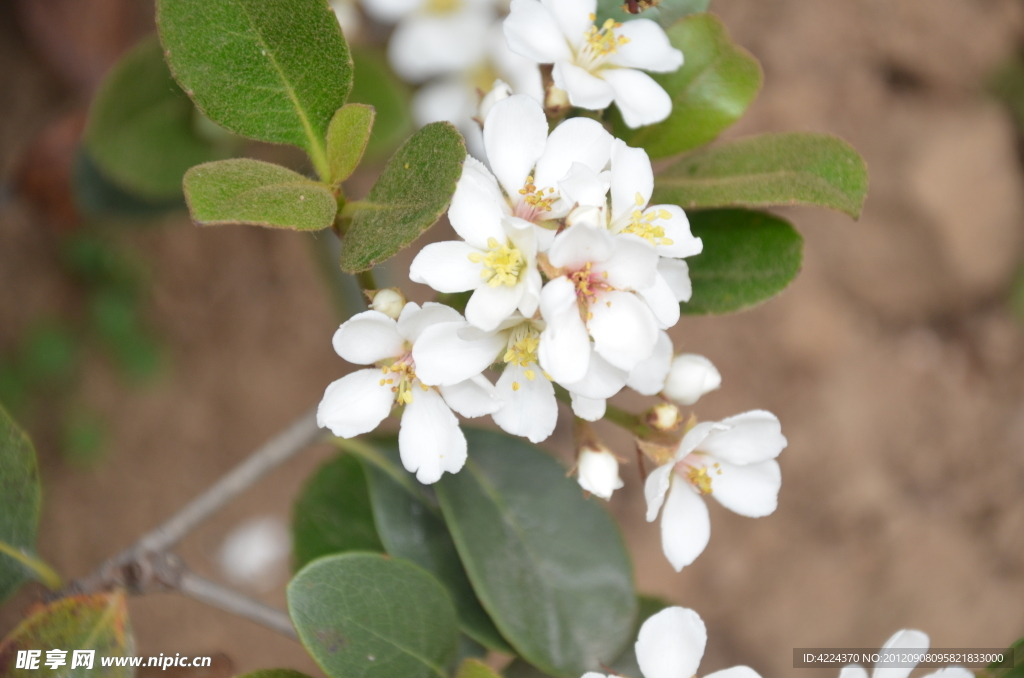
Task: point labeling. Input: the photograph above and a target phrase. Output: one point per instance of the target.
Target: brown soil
(895, 369)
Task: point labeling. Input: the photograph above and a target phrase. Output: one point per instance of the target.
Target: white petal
(348, 17)
(530, 410)
(473, 397)
(583, 186)
(564, 350)
(677, 229)
(490, 305)
(443, 356)
(695, 436)
(648, 377)
(477, 206)
(424, 45)
(368, 337)
(449, 99)
(631, 175)
(579, 245)
(515, 132)
(648, 48)
(577, 140)
(950, 672)
(633, 264)
(906, 639)
(355, 404)
(690, 377)
(655, 488)
(751, 490)
(602, 380)
(685, 527)
(853, 671)
(584, 88)
(588, 409)
(671, 644)
(521, 73)
(677, 274)
(573, 17)
(639, 98)
(414, 319)
(446, 267)
(390, 11)
(623, 328)
(430, 441)
(749, 438)
(662, 302)
(598, 473)
(531, 293)
(533, 32)
(735, 672)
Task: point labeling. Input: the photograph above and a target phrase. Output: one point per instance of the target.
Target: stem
(627, 420)
(191, 585)
(43, 572)
(366, 280)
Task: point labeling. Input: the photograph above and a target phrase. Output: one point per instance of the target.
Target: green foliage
(98, 197)
(333, 514)
(142, 128)
(272, 70)
(411, 526)
(1007, 84)
(711, 91)
(20, 502)
(97, 622)
(274, 673)
(770, 169)
(347, 136)
(548, 565)
(1012, 665)
(666, 13)
(257, 193)
(369, 615)
(474, 668)
(627, 665)
(748, 258)
(411, 194)
(375, 85)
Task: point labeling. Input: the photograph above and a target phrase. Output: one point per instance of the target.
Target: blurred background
(147, 356)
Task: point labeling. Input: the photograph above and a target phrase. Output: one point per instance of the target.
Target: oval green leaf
(96, 622)
(273, 70)
(347, 136)
(411, 526)
(361, 614)
(714, 87)
(333, 514)
(257, 193)
(411, 194)
(748, 258)
(142, 130)
(770, 169)
(549, 566)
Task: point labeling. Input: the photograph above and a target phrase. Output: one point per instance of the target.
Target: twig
(193, 586)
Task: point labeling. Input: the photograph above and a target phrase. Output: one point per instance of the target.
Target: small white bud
(557, 99)
(388, 301)
(690, 377)
(499, 90)
(598, 472)
(664, 417)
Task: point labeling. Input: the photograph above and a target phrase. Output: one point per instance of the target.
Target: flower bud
(499, 90)
(389, 301)
(598, 471)
(556, 100)
(690, 377)
(663, 417)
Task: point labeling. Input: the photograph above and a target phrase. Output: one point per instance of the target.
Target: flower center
(642, 224)
(482, 76)
(502, 265)
(522, 350)
(442, 6)
(599, 43)
(698, 473)
(534, 201)
(400, 374)
(589, 284)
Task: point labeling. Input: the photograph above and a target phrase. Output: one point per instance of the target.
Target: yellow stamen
(699, 478)
(502, 265)
(534, 197)
(602, 41)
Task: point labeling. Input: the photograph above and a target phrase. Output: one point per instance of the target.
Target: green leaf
(411, 526)
(770, 169)
(97, 196)
(272, 70)
(748, 258)
(333, 514)
(142, 128)
(716, 83)
(274, 673)
(347, 137)
(97, 622)
(666, 13)
(474, 668)
(369, 615)
(20, 501)
(548, 565)
(377, 86)
(411, 194)
(257, 193)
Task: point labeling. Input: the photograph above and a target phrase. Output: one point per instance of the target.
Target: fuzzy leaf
(411, 194)
(20, 501)
(362, 614)
(347, 137)
(375, 85)
(257, 193)
(770, 169)
(716, 83)
(272, 70)
(748, 258)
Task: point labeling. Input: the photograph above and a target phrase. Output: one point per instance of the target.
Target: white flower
(913, 641)
(592, 293)
(434, 37)
(671, 644)
(690, 377)
(596, 65)
(733, 461)
(598, 472)
(429, 440)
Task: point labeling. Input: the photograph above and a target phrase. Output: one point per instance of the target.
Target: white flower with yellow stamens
(429, 440)
(596, 65)
(733, 461)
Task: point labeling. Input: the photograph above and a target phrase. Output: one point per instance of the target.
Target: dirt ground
(892, 363)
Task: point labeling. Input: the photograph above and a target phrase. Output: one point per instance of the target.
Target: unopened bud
(690, 377)
(557, 99)
(499, 90)
(598, 471)
(663, 417)
(389, 301)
